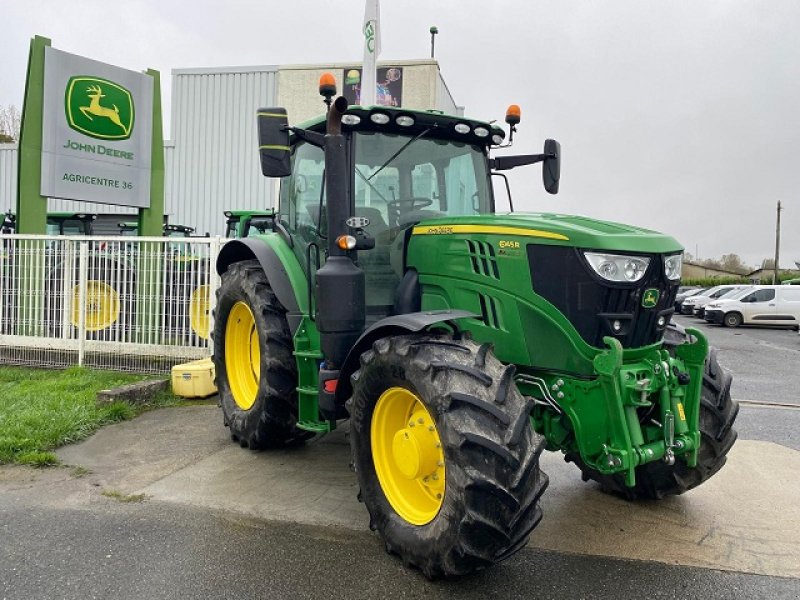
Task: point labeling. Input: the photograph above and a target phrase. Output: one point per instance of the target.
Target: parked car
(693, 304)
(761, 305)
(700, 308)
(687, 293)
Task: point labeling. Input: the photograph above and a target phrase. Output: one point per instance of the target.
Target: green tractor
(458, 341)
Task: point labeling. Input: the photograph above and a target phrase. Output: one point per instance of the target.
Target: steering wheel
(396, 207)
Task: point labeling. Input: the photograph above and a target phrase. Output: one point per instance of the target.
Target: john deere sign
(99, 108)
(97, 130)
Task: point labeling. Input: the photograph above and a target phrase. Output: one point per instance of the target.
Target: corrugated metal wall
(8, 177)
(213, 165)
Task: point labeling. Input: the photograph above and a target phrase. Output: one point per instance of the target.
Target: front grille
(564, 278)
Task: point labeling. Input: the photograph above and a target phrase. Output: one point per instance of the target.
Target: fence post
(83, 267)
(213, 285)
(63, 287)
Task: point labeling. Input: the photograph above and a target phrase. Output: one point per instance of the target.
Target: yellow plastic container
(194, 379)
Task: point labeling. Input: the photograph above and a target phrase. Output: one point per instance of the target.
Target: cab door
(759, 307)
(301, 209)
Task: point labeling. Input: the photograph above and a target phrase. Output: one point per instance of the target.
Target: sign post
(31, 205)
(151, 220)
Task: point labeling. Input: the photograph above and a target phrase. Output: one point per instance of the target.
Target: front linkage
(642, 406)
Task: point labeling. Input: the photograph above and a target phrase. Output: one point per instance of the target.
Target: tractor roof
(441, 125)
(71, 215)
(249, 213)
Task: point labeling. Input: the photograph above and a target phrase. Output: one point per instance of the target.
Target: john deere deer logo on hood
(650, 297)
(99, 108)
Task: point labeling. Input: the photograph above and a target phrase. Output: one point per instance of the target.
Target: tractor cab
(63, 223)
(177, 230)
(405, 167)
(245, 223)
(131, 228)
(9, 224)
(128, 228)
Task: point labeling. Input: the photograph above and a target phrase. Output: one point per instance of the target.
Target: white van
(761, 305)
(695, 305)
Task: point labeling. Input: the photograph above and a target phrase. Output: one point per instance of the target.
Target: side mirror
(551, 170)
(273, 142)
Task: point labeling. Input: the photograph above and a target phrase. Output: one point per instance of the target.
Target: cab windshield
(400, 180)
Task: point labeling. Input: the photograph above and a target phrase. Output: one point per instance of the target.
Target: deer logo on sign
(95, 93)
(99, 108)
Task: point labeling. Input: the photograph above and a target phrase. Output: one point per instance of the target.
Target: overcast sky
(677, 116)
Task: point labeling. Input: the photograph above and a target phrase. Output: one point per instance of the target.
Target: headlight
(713, 305)
(672, 266)
(617, 267)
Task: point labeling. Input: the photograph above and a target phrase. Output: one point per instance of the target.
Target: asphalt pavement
(765, 362)
(216, 521)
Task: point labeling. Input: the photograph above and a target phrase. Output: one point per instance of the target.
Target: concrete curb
(133, 393)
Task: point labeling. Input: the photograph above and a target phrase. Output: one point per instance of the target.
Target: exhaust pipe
(340, 286)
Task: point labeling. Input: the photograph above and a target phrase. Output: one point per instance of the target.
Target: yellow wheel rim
(242, 355)
(199, 304)
(102, 306)
(408, 455)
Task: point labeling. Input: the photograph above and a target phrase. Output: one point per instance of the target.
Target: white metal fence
(125, 303)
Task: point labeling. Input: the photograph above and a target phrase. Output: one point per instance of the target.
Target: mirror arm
(503, 163)
(312, 137)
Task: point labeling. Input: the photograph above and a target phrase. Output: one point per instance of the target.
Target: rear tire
(718, 411)
(256, 372)
(491, 484)
(732, 319)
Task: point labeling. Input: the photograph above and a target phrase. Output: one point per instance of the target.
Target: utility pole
(434, 30)
(777, 244)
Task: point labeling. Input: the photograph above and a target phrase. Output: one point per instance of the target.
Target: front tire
(256, 371)
(473, 500)
(732, 319)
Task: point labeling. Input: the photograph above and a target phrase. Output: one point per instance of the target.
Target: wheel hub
(199, 309)
(414, 447)
(242, 355)
(408, 456)
(102, 306)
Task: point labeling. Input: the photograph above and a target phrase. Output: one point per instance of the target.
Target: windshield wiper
(372, 187)
(399, 152)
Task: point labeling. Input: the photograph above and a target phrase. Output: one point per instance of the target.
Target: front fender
(397, 325)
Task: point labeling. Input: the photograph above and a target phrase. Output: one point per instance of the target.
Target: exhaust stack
(340, 285)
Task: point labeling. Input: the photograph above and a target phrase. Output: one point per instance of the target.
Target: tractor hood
(552, 228)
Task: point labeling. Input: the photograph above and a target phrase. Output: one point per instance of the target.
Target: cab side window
(760, 296)
(302, 192)
(302, 200)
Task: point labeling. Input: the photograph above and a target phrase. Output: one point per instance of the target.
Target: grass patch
(43, 409)
(117, 495)
(79, 471)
